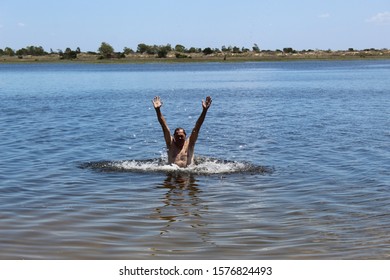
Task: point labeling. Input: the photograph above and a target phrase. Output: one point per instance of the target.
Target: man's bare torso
(181, 157)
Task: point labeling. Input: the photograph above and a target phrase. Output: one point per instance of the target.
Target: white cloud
(325, 15)
(380, 18)
(21, 24)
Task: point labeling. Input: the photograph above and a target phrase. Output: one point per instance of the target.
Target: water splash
(201, 166)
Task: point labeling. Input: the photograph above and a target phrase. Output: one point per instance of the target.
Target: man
(180, 149)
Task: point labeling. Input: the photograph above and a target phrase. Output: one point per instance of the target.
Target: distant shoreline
(175, 57)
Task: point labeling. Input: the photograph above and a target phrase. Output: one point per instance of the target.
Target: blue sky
(272, 24)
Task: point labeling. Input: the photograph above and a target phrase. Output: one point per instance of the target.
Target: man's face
(179, 136)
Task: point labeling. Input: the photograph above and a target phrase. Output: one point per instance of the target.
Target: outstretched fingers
(206, 104)
(157, 103)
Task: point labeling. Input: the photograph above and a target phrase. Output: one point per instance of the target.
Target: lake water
(293, 161)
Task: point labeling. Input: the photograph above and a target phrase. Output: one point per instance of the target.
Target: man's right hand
(157, 103)
(206, 104)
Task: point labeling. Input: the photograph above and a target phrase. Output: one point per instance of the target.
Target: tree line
(106, 51)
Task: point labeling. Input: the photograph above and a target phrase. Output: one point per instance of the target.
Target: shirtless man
(180, 150)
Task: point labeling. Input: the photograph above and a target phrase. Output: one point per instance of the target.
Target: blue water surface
(294, 161)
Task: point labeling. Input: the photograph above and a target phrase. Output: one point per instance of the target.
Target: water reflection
(181, 201)
(183, 211)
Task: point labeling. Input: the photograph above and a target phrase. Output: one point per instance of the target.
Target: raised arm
(195, 132)
(167, 134)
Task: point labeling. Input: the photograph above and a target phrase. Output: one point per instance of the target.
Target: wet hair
(180, 128)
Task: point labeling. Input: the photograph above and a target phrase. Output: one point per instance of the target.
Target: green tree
(9, 51)
(142, 48)
(152, 49)
(180, 48)
(288, 50)
(21, 52)
(236, 49)
(226, 49)
(256, 48)
(162, 51)
(193, 50)
(32, 50)
(106, 50)
(127, 50)
(68, 54)
(208, 51)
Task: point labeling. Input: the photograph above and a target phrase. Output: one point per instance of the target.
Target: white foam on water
(201, 165)
(206, 167)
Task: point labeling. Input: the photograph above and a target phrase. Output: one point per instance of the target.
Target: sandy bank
(173, 57)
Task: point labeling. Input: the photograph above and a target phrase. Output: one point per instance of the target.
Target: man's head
(180, 135)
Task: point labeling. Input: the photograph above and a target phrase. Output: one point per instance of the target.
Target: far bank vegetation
(145, 52)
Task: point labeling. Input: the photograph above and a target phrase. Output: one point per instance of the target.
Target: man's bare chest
(178, 155)
(179, 152)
